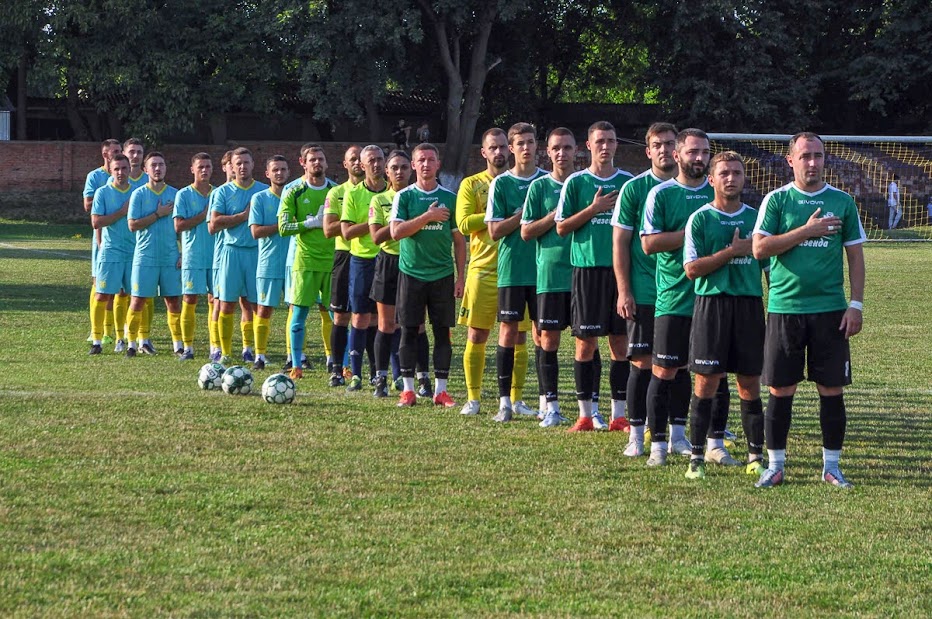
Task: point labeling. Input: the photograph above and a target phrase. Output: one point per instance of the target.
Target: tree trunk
(21, 97)
(374, 121)
(78, 126)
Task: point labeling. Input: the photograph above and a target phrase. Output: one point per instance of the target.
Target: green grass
(125, 491)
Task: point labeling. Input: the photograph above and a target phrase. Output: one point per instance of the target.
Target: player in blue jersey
(156, 261)
(97, 178)
(212, 324)
(115, 257)
(239, 254)
(197, 246)
(273, 249)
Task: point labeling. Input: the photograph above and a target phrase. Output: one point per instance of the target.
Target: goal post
(863, 165)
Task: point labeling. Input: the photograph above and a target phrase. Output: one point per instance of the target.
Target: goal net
(864, 166)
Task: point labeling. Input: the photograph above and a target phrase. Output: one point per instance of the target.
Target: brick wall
(62, 166)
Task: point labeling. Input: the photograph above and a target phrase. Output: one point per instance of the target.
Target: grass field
(125, 491)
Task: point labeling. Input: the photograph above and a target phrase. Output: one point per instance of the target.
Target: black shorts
(593, 303)
(810, 340)
(553, 311)
(641, 331)
(339, 282)
(671, 341)
(512, 300)
(385, 283)
(415, 294)
(727, 335)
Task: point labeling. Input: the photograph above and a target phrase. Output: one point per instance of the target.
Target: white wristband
(858, 305)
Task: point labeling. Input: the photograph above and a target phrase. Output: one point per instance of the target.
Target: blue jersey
(96, 179)
(136, 183)
(197, 244)
(263, 211)
(232, 199)
(157, 245)
(116, 241)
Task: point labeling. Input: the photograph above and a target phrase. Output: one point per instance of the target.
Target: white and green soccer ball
(278, 389)
(237, 380)
(210, 376)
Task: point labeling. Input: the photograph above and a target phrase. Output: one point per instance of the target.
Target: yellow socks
(225, 333)
(262, 328)
(134, 319)
(91, 304)
(97, 320)
(108, 318)
(187, 324)
(174, 327)
(473, 367)
(248, 334)
(519, 375)
(212, 330)
(120, 308)
(145, 325)
(326, 327)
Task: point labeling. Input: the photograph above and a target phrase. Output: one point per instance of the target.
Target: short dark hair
(117, 157)
(600, 125)
(656, 128)
(227, 157)
(692, 132)
(200, 157)
(425, 146)
(238, 152)
(520, 129)
(725, 155)
(308, 148)
(805, 135)
(398, 153)
(275, 158)
(560, 131)
(109, 142)
(132, 142)
(492, 131)
(151, 154)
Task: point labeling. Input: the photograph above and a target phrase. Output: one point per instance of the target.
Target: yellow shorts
(480, 303)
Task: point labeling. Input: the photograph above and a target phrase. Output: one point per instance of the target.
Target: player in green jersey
(668, 207)
(114, 260)
(385, 282)
(803, 228)
(479, 308)
(97, 178)
(636, 272)
(354, 226)
(339, 286)
(307, 277)
(554, 272)
(517, 268)
(728, 320)
(273, 249)
(156, 261)
(584, 211)
(421, 222)
(197, 247)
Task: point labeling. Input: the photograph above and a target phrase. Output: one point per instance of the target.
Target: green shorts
(310, 288)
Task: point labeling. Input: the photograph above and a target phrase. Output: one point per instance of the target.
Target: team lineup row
(667, 265)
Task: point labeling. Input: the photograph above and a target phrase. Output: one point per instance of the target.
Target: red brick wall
(63, 166)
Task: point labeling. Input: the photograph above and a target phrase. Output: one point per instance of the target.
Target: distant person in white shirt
(893, 201)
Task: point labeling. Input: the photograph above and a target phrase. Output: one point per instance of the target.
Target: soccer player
(197, 248)
(156, 262)
(236, 278)
(728, 320)
(385, 281)
(135, 151)
(668, 206)
(479, 308)
(554, 272)
(635, 274)
(354, 227)
(893, 201)
(97, 178)
(115, 257)
(802, 228)
(584, 211)
(420, 220)
(213, 323)
(307, 277)
(273, 249)
(517, 269)
(339, 285)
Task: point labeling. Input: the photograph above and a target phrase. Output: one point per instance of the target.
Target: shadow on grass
(21, 231)
(11, 253)
(43, 298)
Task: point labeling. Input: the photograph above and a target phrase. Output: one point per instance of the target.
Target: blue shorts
(151, 281)
(288, 285)
(197, 281)
(361, 273)
(112, 277)
(270, 290)
(236, 276)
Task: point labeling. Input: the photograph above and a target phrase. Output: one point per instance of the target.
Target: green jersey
(356, 211)
(554, 272)
(380, 210)
(427, 254)
(334, 206)
(667, 209)
(591, 243)
(517, 260)
(312, 250)
(809, 278)
(628, 215)
(709, 231)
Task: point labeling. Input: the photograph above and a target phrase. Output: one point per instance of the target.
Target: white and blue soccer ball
(210, 376)
(237, 380)
(278, 389)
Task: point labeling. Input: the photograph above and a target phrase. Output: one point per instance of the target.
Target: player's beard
(499, 162)
(694, 171)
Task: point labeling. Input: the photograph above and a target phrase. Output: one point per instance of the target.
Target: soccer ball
(278, 389)
(237, 380)
(209, 376)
